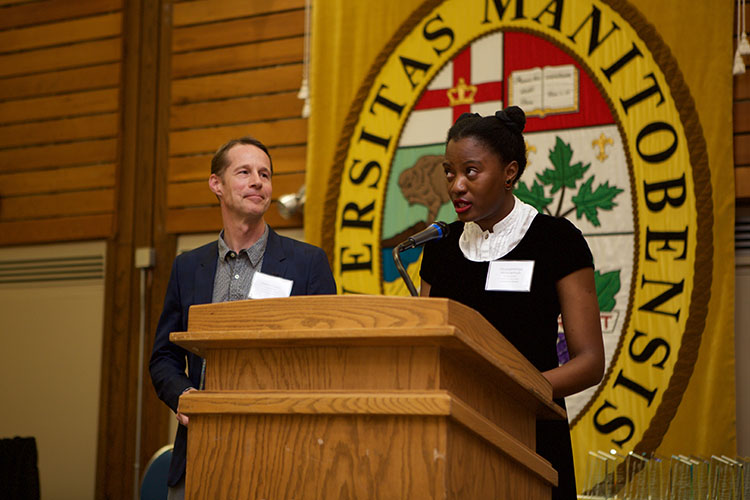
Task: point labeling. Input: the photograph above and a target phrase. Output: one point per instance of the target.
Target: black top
(527, 319)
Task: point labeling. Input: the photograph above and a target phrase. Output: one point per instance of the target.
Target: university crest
(613, 144)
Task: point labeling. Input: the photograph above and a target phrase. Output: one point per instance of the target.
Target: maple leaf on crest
(564, 174)
(588, 202)
(607, 286)
(534, 196)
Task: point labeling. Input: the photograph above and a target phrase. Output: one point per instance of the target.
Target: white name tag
(265, 286)
(510, 276)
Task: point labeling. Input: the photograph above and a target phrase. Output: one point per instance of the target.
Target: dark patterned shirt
(235, 270)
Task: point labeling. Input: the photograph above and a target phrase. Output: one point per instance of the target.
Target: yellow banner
(669, 387)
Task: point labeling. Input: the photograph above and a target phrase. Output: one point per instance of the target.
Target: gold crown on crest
(462, 93)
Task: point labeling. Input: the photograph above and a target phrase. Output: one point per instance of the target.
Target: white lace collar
(484, 246)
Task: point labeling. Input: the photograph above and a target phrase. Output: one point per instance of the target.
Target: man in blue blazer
(246, 252)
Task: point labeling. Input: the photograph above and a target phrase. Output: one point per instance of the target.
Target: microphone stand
(404, 275)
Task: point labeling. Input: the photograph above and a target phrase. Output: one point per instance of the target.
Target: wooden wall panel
(57, 180)
(59, 82)
(741, 150)
(243, 109)
(196, 193)
(236, 69)
(741, 115)
(204, 11)
(238, 83)
(57, 155)
(73, 104)
(35, 13)
(281, 132)
(47, 35)
(95, 201)
(742, 181)
(25, 232)
(67, 129)
(251, 55)
(197, 167)
(60, 100)
(79, 54)
(252, 29)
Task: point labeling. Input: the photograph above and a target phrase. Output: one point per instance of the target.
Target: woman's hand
(583, 334)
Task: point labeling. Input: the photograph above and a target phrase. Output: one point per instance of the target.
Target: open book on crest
(544, 91)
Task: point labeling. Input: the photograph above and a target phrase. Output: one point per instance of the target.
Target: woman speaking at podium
(520, 269)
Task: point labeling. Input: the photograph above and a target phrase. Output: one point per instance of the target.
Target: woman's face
(476, 182)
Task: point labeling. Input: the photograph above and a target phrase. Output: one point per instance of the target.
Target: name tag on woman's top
(509, 276)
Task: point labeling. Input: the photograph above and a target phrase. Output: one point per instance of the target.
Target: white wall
(50, 340)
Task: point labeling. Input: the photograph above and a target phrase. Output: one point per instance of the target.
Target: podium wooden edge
(199, 342)
(404, 403)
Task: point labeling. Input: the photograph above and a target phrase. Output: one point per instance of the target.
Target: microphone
(435, 231)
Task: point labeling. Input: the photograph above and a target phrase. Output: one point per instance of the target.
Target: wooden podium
(361, 397)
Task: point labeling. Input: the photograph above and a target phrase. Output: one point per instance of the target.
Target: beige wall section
(51, 340)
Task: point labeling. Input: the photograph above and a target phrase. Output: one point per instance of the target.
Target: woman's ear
(511, 172)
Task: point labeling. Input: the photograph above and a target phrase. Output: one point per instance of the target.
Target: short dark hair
(501, 132)
(219, 162)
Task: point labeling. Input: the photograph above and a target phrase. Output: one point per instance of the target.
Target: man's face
(244, 188)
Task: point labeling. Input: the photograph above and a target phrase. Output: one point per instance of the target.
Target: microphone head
(443, 228)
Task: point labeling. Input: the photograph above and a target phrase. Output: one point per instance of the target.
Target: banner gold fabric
(347, 39)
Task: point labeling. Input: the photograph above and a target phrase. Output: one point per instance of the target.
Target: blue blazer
(192, 282)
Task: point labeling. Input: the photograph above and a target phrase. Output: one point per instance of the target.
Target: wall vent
(742, 234)
(45, 270)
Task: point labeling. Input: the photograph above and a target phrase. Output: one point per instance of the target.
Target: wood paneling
(252, 55)
(198, 167)
(10, 2)
(203, 11)
(57, 180)
(60, 69)
(66, 105)
(238, 83)
(282, 132)
(69, 56)
(71, 80)
(57, 205)
(742, 86)
(741, 150)
(68, 129)
(63, 228)
(742, 182)
(236, 70)
(106, 26)
(741, 116)
(54, 10)
(197, 193)
(280, 25)
(241, 110)
(58, 155)
(128, 290)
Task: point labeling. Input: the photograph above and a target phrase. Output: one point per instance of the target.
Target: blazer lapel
(274, 259)
(205, 272)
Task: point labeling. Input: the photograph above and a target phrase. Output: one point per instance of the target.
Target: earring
(508, 185)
